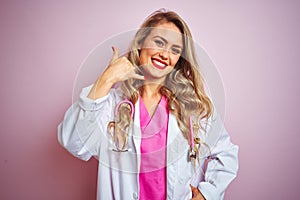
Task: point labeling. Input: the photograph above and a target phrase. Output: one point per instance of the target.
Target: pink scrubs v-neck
(152, 177)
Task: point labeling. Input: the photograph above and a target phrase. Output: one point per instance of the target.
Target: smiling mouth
(159, 63)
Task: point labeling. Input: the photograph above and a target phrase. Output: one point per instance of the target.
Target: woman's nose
(164, 54)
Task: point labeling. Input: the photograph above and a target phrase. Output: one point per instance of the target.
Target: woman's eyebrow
(166, 41)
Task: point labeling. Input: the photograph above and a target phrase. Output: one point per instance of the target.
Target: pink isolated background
(254, 44)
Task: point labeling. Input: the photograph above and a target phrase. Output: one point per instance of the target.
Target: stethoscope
(116, 147)
(192, 152)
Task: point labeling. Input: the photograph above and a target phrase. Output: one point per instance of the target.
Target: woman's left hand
(196, 194)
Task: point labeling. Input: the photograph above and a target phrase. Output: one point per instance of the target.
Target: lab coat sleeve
(221, 164)
(85, 124)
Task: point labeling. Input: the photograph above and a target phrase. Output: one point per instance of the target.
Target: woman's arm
(85, 122)
(222, 163)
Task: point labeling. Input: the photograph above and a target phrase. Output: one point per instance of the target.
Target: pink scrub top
(152, 177)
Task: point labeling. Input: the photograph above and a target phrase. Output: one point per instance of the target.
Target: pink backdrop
(255, 45)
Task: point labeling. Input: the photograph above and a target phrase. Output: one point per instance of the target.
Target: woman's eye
(159, 43)
(176, 51)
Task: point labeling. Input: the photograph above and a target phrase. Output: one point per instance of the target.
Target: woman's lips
(159, 63)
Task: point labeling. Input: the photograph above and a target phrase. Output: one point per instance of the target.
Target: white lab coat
(83, 132)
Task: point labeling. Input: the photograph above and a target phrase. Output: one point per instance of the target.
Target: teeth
(159, 63)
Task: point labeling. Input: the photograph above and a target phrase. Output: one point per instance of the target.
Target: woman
(155, 134)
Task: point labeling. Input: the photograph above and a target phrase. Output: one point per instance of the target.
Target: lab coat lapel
(177, 145)
(177, 148)
(137, 132)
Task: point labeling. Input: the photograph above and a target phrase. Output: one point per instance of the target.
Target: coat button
(135, 195)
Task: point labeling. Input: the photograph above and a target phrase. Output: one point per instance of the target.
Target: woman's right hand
(119, 69)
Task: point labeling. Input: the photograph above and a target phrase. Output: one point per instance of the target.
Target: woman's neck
(151, 97)
(151, 90)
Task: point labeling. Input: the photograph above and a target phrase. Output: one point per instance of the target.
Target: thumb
(115, 55)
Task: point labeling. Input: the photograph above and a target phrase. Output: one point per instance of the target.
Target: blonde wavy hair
(183, 88)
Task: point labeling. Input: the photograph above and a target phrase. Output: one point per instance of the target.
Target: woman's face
(160, 51)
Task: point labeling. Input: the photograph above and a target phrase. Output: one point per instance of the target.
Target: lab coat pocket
(125, 161)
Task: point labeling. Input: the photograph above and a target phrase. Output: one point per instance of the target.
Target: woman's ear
(138, 49)
(139, 46)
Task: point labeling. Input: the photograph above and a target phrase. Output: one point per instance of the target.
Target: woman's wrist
(100, 88)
